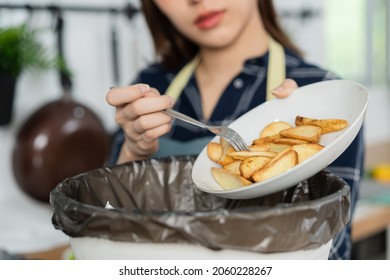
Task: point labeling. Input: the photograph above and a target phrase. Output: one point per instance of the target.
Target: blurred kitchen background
(106, 42)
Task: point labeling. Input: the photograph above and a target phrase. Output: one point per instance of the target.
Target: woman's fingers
(134, 101)
(155, 133)
(145, 140)
(285, 89)
(144, 106)
(145, 123)
(119, 96)
(139, 113)
(142, 145)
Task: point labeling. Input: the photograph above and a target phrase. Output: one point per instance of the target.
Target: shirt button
(238, 83)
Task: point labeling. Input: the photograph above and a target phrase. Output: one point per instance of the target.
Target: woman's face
(209, 23)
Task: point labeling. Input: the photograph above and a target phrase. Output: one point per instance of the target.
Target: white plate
(341, 99)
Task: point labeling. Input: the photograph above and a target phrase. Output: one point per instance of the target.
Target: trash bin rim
(285, 207)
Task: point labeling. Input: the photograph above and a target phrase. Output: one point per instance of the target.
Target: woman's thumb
(285, 89)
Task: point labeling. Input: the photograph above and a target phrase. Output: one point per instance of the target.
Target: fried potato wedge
(306, 151)
(241, 155)
(228, 180)
(290, 141)
(269, 147)
(233, 167)
(260, 148)
(226, 148)
(277, 148)
(265, 140)
(274, 128)
(252, 164)
(214, 151)
(279, 164)
(326, 125)
(309, 133)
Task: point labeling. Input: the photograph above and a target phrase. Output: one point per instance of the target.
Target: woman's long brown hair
(174, 49)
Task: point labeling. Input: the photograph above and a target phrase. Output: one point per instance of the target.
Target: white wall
(307, 33)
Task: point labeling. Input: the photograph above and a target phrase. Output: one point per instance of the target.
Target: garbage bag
(156, 201)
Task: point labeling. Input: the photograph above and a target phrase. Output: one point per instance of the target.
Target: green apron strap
(180, 81)
(276, 72)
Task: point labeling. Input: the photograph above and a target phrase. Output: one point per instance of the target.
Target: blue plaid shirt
(246, 91)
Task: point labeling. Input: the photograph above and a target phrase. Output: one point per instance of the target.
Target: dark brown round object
(61, 139)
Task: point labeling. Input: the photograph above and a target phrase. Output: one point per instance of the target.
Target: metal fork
(225, 132)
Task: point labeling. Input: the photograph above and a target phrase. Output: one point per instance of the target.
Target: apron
(276, 73)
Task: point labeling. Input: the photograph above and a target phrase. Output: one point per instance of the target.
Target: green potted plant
(20, 50)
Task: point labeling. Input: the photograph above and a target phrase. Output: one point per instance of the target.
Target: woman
(216, 62)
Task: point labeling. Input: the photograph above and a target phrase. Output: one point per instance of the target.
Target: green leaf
(20, 50)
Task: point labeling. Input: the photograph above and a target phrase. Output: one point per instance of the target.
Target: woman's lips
(209, 20)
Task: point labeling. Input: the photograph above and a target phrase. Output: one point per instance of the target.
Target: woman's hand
(285, 89)
(138, 112)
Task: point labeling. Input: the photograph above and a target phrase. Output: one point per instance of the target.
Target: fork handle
(184, 118)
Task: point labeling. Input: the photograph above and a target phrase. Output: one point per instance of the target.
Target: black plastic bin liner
(156, 201)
